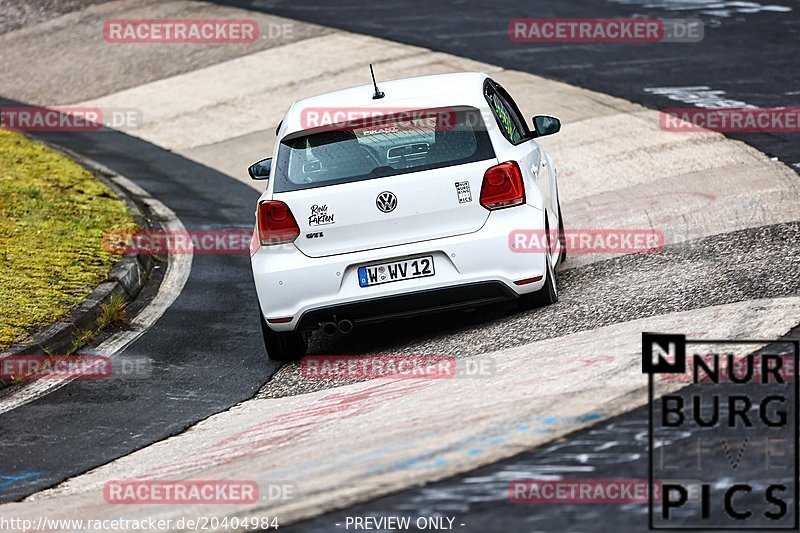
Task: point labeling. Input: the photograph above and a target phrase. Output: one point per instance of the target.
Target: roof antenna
(378, 94)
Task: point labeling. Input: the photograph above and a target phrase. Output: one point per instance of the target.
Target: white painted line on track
(178, 268)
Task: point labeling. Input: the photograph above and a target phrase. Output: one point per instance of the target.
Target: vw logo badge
(386, 202)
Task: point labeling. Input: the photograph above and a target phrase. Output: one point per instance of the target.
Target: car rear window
(388, 146)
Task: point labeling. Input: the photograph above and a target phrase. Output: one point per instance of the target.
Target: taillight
(276, 224)
(502, 186)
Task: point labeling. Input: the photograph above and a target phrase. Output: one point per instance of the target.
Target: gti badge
(386, 201)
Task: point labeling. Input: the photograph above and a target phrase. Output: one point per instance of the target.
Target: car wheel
(548, 294)
(562, 240)
(285, 346)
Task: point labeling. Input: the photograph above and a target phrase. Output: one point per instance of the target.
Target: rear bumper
(472, 269)
(411, 304)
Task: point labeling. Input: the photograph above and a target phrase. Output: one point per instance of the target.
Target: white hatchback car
(386, 205)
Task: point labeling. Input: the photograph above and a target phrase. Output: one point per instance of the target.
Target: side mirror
(546, 125)
(260, 170)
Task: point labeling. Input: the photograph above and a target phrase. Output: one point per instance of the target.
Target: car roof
(421, 92)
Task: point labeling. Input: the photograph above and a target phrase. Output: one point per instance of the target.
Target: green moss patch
(53, 216)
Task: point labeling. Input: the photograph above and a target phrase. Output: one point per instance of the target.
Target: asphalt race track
(747, 50)
(566, 395)
(188, 382)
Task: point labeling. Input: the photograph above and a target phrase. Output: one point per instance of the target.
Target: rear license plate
(417, 267)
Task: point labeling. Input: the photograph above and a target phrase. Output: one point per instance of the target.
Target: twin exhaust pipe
(343, 326)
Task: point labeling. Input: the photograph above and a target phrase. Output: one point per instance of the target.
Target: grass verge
(53, 215)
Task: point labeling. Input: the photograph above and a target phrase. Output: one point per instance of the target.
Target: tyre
(286, 346)
(548, 294)
(562, 255)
